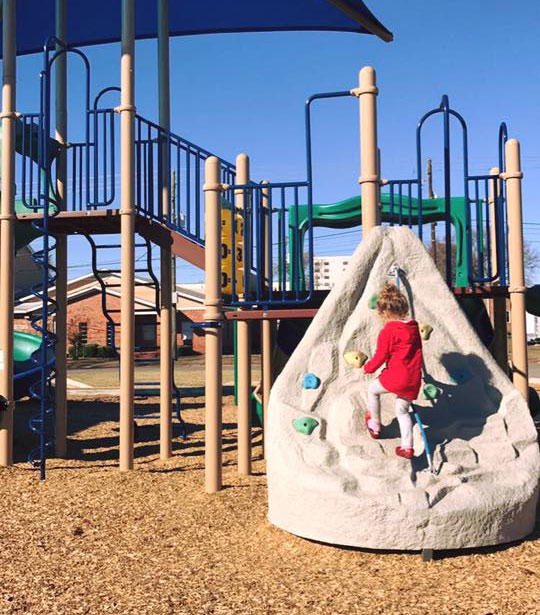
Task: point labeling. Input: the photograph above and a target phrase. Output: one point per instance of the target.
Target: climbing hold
(305, 425)
(425, 331)
(460, 376)
(372, 303)
(355, 359)
(430, 392)
(311, 381)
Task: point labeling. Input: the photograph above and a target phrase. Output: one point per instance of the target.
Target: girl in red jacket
(400, 347)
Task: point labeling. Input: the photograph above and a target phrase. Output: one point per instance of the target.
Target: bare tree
(531, 260)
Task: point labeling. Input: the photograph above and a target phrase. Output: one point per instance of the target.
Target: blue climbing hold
(311, 381)
(305, 425)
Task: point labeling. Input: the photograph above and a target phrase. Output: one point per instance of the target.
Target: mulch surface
(91, 540)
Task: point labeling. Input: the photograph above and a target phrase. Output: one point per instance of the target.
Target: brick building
(85, 313)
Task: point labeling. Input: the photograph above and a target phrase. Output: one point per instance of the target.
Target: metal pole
(497, 305)
(213, 314)
(7, 215)
(369, 169)
(266, 325)
(266, 328)
(61, 240)
(165, 317)
(173, 276)
(243, 344)
(431, 195)
(513, 176)
(127, 230)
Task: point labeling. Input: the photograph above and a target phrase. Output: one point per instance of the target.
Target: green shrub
(105, 352)
(89, 350)
(72, 352)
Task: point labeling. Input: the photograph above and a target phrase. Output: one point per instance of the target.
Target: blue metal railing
(268, 277)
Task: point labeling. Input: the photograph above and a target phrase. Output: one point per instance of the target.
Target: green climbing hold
(430, 392)
(372, 303)
(305, 425)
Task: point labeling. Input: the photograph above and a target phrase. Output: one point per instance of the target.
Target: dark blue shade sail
(92, 22)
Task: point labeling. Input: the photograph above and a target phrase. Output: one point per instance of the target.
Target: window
(83, 332)
(145, 331)
(109, 334)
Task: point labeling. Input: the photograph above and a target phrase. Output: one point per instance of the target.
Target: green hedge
(90, 351)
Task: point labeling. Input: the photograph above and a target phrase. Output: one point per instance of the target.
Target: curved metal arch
(110, 88)
(503, 138)
(447, 112)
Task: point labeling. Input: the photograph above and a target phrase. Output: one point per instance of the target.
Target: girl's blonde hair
(392, 301)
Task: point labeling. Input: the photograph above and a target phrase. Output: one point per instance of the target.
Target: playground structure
(69, 188)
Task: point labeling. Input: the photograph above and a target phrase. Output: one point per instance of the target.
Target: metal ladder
(102, 274)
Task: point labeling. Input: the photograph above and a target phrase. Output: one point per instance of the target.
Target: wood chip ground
(92, 541)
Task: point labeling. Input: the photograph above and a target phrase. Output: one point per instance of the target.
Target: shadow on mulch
(86, 415)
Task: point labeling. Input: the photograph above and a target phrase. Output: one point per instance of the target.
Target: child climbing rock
(400, 347)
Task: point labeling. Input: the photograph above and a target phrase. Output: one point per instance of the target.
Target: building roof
(192, 295)
(99, 21)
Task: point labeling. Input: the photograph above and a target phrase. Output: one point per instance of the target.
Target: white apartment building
(327, 270)
(533, 326)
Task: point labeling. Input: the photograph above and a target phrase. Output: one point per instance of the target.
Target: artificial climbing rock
(340, 486)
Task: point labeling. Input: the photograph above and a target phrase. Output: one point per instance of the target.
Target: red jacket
(400, 346)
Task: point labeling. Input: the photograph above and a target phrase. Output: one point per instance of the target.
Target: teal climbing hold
(372, 303)
(460, 376)
(305, 425)
(430, 392)
(311, 381)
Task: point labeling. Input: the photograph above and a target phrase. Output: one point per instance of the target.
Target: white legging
(402, 407)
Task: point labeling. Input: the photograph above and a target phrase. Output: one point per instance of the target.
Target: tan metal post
(266, 325)
(61, 241)
(497, 305)
(7, 252)
(243, 345)
(127, 237)
(369, 169)
(513, 176)
(165, 317)
(213, 314)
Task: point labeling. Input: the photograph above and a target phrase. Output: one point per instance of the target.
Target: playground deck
(91, 540)
(107, 221)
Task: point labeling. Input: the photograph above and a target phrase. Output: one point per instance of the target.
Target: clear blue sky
(245, 93)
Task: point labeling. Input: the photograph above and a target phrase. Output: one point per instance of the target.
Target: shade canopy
(92, 22)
